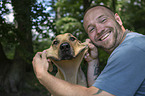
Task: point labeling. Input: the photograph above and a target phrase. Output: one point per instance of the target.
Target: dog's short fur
(67, 52)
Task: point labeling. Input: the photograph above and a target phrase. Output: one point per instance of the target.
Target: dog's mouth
(65, 52)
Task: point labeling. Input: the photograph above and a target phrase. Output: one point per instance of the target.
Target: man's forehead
(94, 12)
(98, 9)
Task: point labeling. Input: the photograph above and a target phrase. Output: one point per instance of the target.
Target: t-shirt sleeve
(124, 72)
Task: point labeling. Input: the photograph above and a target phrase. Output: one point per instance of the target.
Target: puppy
(67, 52)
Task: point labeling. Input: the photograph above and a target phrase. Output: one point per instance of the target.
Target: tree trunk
(24, 49)
(114, 2)
(86, 4)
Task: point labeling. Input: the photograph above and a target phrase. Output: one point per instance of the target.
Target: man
(124, 74)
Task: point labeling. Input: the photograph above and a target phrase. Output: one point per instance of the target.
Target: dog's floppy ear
(80, 47)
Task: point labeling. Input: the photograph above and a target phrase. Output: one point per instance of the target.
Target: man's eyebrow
(88, 26)
(96, 19)
(100, 16)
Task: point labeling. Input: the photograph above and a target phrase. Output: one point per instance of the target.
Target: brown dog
(67, 52)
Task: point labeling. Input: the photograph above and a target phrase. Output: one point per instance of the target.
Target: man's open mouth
(104, 35)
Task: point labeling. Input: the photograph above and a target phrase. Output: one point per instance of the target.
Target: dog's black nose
(65, 51)
(65, 46)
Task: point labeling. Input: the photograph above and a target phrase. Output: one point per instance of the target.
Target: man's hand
(93, 63)
(93, 52)
(40, 63)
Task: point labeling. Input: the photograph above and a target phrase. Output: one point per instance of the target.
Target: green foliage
(68, 24)
(133, 15)
(6, 29)
(9, 49)
(41, 45)
(69, 17)
(41, 19)
(72, 8)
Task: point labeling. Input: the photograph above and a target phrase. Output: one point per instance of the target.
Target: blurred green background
(29, 26)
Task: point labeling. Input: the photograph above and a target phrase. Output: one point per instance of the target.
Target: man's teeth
(104, 37)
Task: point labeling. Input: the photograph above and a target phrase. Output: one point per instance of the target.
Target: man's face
(102, 28)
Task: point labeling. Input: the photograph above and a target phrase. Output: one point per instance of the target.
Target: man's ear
(118, 19)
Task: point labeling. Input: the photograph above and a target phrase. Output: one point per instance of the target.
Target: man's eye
(104, 20)
(91, 29)
(55, 42)
(72, 38)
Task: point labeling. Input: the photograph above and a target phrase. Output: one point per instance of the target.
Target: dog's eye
(55, 42)
(72, 38)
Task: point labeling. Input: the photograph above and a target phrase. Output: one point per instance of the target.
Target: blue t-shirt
(124, 74)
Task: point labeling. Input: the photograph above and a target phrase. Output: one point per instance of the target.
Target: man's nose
(100, 28)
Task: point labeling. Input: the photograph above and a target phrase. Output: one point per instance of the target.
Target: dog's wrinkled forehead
(64, 38)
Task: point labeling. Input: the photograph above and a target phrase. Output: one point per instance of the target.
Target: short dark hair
(97, 6)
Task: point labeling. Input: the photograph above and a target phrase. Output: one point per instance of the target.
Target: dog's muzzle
(65, 51)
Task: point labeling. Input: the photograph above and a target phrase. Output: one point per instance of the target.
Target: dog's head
(67, 52)
(65, 47)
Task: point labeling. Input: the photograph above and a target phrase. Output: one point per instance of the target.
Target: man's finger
(91, 46)
(44, 54)
(88, 40)
(38, 54)
(88, 58)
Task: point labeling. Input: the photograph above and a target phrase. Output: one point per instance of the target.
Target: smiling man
(124, 73)
(104, 28)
